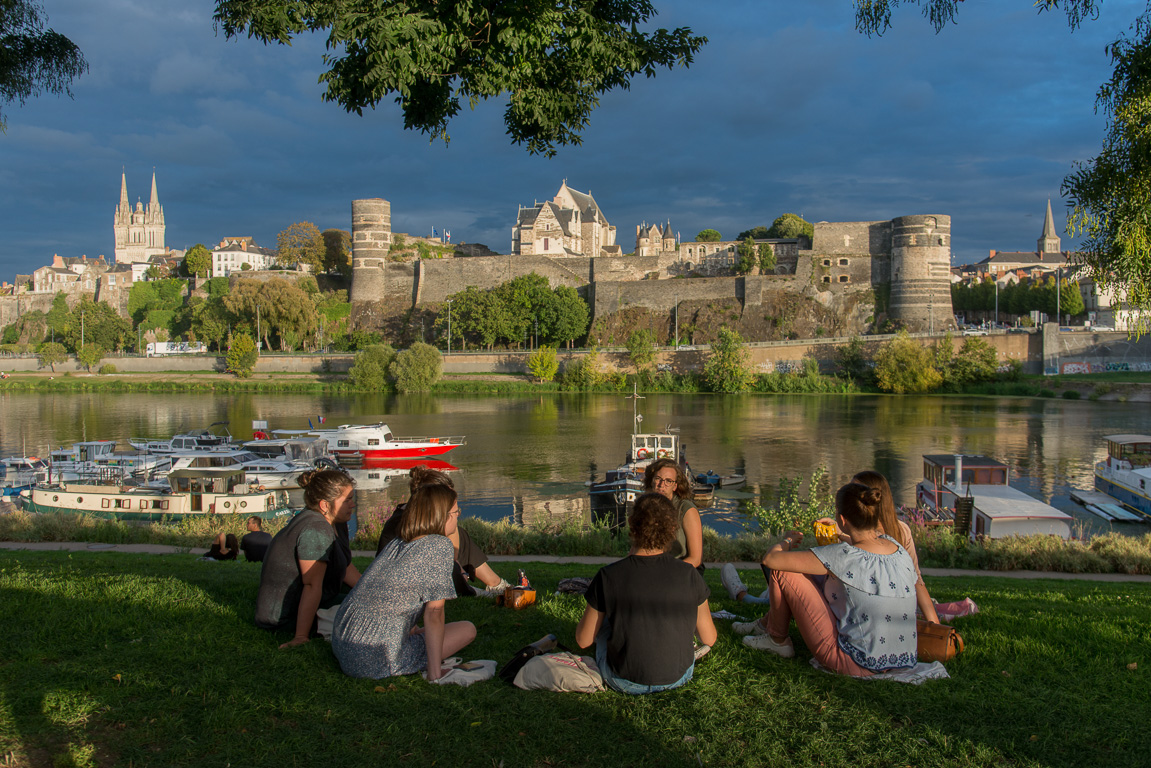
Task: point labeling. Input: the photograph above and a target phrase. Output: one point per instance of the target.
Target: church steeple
(1049, 240)
(154, 203)
(124, 204)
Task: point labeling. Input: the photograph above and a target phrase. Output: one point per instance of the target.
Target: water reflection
(528, 458)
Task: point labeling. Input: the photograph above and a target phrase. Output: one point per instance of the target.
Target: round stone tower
(371, 239)
(921, 273)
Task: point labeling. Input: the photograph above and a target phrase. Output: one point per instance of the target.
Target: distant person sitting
(223, 547)
(256, 540)
(643, 611)
(470, 561)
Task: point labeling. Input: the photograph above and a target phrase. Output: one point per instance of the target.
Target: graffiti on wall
(1105, 368)
(781, 366)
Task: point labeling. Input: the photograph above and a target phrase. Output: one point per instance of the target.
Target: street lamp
(1058, 296)
(677, 321)
(450, 326)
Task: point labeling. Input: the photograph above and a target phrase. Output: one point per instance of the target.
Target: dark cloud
(786, 109)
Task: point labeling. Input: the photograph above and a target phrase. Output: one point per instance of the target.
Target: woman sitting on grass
(375, 634)
(862, 621)
(643, 611)
(666, 478)
(308, 560)
(470, 561)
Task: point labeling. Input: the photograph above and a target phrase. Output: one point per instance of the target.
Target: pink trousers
(796, 595)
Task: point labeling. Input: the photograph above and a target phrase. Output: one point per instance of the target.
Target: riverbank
(1107, 387)
(1108, 553)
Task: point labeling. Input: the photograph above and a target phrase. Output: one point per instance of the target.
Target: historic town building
(570, 224)
(140, 230)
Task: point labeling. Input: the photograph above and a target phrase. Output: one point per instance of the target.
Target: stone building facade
(570, 224)
(233, 253)
(139, 231)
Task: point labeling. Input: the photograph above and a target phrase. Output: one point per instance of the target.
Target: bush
(588, 373)
(417, 368)
(89, 355)
(543, 363)
(1071, 394)
(905, 367)
(107, 368)
(728, 369)
(370, 368)
(242, 355)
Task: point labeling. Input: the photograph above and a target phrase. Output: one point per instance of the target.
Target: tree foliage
(337, 251)
(552, 60)
(33, 60)
(90, 354)
(29, 328)
(641, 349)
(148, 296)
(766, 259)
(543, 363)
(755, 233)
(285, 311)
(509, 312)
(747, 256)
(51, 354)
(301, 243)
(905, 367)
(790, 225)
(416, 368)
(95, 322)
(708, 236)
(729, 367)
(198, 261)
(242, 355)
(370, 369)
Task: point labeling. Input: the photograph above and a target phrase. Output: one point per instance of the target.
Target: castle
(857, 271)
(139, 231)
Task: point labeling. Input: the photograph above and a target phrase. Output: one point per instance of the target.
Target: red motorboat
(368, 445)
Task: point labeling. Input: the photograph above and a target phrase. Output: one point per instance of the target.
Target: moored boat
(364, 445)
(999, 510)
(1125, 474)
(18, 473)
(194, 492)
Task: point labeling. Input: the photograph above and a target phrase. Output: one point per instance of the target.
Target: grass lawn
(115, 659)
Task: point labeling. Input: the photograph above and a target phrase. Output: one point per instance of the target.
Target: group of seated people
(854, 601)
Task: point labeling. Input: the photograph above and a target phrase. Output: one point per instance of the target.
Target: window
(827, 262)
(827, 278)
(373, 441)
(843, 262)
(844, 278)
(341, 443)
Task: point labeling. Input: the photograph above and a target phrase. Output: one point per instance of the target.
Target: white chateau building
(139, 231)
(570, 224)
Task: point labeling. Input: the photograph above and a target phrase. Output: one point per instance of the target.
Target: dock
(1106, 507)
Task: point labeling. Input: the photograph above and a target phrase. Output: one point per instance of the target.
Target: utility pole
(1058, 294)
(257, 326)
(997, 304)
(677, 322)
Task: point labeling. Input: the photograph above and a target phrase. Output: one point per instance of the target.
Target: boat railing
(453, 440)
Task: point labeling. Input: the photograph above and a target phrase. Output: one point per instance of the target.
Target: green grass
(112, 659)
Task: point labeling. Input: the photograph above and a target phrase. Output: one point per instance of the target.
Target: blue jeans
(623, 685)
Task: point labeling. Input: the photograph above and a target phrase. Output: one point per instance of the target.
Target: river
(529, 457)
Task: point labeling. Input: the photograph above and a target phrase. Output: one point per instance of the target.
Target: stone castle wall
(13, 307)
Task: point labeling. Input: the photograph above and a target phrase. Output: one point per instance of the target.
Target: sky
(786, 109)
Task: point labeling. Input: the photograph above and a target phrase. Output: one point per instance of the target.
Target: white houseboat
(356, 445)
(1000, 510)
(194, 492)
(1126, 472)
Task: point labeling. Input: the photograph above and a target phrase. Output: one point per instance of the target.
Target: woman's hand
(416, 630)
(793, 538)
(293, 643)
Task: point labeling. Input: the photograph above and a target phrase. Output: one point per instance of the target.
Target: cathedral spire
(1049, 240)
(123, 191)
(154, 203)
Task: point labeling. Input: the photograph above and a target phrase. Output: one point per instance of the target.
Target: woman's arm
(434, 637)
(704, 626)
(351, 575)
(693, 532)
(312, 576)
(781, 558)
(923, 601)
(589, 625)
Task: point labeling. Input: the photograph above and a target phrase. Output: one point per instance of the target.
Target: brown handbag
(937, 642)
(517, 597)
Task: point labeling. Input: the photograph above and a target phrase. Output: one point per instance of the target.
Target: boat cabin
(1135, 450)
(650, 447)
(977, 470)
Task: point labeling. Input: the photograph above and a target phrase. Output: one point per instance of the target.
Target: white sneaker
(765, 642)
(748, 628)
(731, 581)
(701, 651)
(495, 591)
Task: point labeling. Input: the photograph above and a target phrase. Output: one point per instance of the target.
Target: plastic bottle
(545, 643)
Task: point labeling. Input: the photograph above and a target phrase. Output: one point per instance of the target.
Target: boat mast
(636, 416)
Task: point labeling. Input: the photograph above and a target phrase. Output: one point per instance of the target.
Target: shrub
(242, 355)
(107, 368)
(641, 349)
(1071, 394)
(905, 367)
(729, 367)
(543, 363)
(416, 368)
(89, 355)
(370, 368)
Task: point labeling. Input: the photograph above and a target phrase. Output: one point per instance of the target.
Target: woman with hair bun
(470, 561)
(862, 620)
(375, 633)
(308, 559)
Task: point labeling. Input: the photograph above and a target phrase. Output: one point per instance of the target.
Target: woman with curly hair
(665, 477)
(643, 611)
